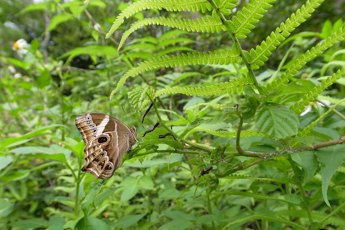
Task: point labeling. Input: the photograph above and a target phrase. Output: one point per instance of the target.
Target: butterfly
(107, 140)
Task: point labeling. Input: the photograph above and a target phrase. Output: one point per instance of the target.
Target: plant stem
(62, 106)
(76, 203)
(238, 133)
(238, 47)
(335, 110)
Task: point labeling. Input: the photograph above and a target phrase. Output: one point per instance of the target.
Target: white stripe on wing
(101, 126)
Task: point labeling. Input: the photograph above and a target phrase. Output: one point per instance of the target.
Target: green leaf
(177, 5)
(307, 161)
(171, 159)
(183, 224)
(146, 182)
(15, 175)
(56, 223)
(6, 207)
(128, 221)
(44, 79)
(59, 19)
(91, 223)
(53, 152)
(4, 161)
(77, 147)
(169, 193)
(36, 7)
(331, 159)
(277, 121)
(14, 141)
(178, 215)
(93, 51)
(246, 18)
(131, 188)
(31, 223)
(19, 63)
(326, 29)
(92, 193)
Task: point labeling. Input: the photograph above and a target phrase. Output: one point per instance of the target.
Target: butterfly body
(106, 142)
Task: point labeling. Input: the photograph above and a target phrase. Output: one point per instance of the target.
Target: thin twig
(238, 133)
(335, 110)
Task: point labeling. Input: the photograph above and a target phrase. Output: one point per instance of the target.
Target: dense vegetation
(239, 109)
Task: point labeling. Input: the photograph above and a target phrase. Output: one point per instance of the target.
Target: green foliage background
(249, 96)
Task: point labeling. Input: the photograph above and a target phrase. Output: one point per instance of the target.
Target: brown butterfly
(107, 140)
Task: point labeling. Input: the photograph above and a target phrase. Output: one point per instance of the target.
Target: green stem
(77, 181)
(198, 146)
(334, 109)
(62, 106)
(76, 203)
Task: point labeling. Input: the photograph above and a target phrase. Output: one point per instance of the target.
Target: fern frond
(236, 86)
(225, 6)
(218, 57)
(310, 127)
(206, 24)
(139, 97)
(260, 54)
(312, 95)
(169, 5)
(246, 19)
(298, 63)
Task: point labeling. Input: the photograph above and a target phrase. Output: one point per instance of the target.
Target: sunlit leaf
(15, 175)
(14, 141)
(6, 207)
(4, 161)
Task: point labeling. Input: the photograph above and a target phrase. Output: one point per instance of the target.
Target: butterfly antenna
(151, 130)
(146, 112)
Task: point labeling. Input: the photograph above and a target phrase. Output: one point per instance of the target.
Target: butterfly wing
(106, 142)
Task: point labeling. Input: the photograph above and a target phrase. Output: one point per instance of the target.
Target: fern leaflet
(298, 63)
(260, 54)
(139, 97)
(205, 25)
(169, 5)
(304, 101)
(245, 19)
(218, 57)
(232, 87)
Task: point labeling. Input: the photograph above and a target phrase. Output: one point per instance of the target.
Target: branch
(268, 156)
(325, 144)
